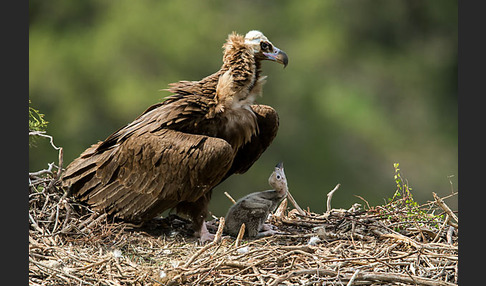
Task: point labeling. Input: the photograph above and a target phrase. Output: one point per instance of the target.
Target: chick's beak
(278, 56)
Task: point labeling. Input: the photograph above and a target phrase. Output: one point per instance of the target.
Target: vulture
(253, 209)
(178, 150)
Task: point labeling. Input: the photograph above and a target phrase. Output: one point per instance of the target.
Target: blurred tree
(369, 83)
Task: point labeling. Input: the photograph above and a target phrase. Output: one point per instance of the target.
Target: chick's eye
(265, 46)
(278, 177)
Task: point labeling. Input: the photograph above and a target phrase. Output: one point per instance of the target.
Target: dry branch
(329, 197)
(216, 239)
(230, 197)
(240, 235)
(280, 211)
(294, 202)
(446, 208)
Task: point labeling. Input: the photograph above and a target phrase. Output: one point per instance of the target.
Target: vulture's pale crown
(264, 49)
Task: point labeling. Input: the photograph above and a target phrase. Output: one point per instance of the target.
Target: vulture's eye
(278, 177)
(265, 46)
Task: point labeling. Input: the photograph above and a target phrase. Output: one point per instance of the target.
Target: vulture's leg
(267, 119)
(198, 211)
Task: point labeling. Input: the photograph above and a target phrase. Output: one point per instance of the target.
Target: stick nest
(392, 244)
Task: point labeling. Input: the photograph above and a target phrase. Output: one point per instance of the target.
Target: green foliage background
(369, 83)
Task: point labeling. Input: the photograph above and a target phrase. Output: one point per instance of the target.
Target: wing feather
(267, 120)
(156, 169)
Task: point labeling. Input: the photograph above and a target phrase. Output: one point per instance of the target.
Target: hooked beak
(279, 165)
(277, 56)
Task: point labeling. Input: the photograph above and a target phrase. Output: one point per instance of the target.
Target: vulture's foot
(268, 230)
(267, 226)
(267, 233)
(204, 234)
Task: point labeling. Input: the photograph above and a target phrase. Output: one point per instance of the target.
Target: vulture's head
(277, 179)
(264, 49)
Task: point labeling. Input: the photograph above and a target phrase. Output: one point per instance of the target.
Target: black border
(471, 187)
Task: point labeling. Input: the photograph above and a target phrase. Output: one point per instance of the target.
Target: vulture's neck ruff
(238, 86)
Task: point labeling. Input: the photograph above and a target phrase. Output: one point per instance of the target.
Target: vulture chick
(253, 209)
(177, 151)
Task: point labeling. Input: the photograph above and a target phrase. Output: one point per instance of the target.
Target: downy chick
(253, 209)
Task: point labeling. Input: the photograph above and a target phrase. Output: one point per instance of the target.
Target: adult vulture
(177, 151)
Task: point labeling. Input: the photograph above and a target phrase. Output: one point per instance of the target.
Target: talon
(204, 234)
(267, 226)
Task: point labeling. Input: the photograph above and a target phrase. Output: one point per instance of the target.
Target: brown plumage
(177, 151)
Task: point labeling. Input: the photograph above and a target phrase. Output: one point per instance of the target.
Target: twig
(361, 198)
(57, 176)
(219, 232)
(351, 281)
(437, 236)
(56, 220)
(443, 198)
(280, 211)
(60, 272)
(42, 172)
(67, 206)
(240, 235)
(230, 197)
(61, 160)
(216, 239)
(259, 275)
(42, 134)
(94, 222)
(88, 220)
(403, 278)
(401, 237)
(93, 264)
(292, 200)
(325, 272)
(329, 197)
(36, 226)
(443, 206)
(237, 264)
(369, 276)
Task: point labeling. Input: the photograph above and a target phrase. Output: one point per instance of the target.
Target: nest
(393, 244)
